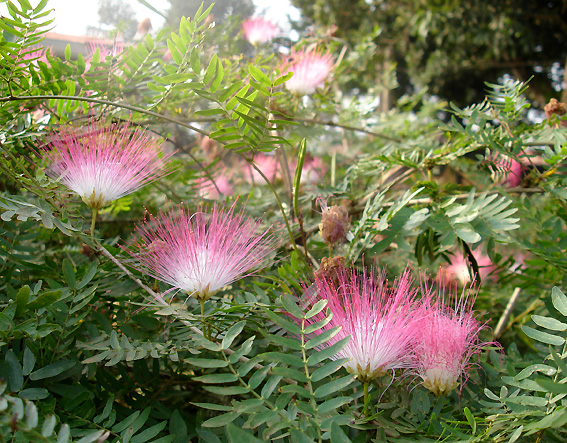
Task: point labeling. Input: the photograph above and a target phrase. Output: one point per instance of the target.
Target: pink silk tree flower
(221, 187)
(458, 269)
(446, 341)
(268, 164)
(102, 163)
(506, 170)
(381, 322)
(203, 252)
(310, 69)
(259, 30)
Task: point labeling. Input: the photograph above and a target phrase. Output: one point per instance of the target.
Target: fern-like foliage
(533, 400)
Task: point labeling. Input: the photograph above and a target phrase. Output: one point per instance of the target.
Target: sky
(73, 16)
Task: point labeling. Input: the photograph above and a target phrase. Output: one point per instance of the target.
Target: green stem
(93, 222)
(366, 399)
(206, 330)
(278, 200)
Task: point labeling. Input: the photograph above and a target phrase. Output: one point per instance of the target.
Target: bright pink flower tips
(203, 252)
(381, 322)
(310, 69)
(259, 30)
(103, 163)
(446, 340)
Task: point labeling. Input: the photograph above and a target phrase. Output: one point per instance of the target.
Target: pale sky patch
(72, 17)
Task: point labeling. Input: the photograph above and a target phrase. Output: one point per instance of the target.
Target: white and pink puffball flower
(310, 69)
(446, 341)
(259, 30)
(381, 321)
(104, 162)
(200, 253)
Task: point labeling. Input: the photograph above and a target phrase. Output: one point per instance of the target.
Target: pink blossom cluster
(201, 252)
(101, 162)
(310, 69)
(259, 30)
(394, 327)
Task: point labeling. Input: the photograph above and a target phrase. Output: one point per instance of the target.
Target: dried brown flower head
(334, 225)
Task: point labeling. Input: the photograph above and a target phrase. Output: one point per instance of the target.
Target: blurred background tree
(119, 16)
(450, 47)
(222, 9)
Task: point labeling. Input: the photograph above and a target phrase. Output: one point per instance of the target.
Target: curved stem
(103, 102)
(279, 203)
(349, 128)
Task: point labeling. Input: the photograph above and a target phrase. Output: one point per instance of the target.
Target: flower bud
(554, 107)
(334, 225)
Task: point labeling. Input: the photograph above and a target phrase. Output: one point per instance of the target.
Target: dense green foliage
(449, 47)
(90, 351)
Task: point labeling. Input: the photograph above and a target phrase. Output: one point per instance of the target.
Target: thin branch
(103, 102)
(350, 128)
(101, 250)
(503, 322)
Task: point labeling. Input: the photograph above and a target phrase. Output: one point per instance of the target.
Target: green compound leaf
(290, 373)
(559, 300)
(284, 323)
(213, 407)
(333, 404)
(299, 437)
(551, 386)
(329, 352)
(45, 299)
(221, 420)
(69, 273)
(296, 390)
(317, 307)
(231, 390)
(259, 76)
(232, 333)
(291, 306)
(470, 419)
(206, 362)
(322, 338)
(333, 386)
(328, 369)
(316, 326)
(238, 435)
(337, 434)
(287, 342)
(279, 357)
(216, 378)
(53, 369)
(543, 337)
(549, 323)
(22, 298)
(270, 386)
